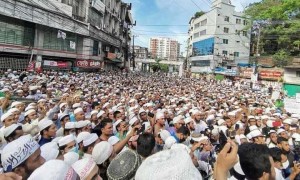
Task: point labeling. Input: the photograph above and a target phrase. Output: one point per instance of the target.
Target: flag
(30, 66)
(72, 45)
(61, 34)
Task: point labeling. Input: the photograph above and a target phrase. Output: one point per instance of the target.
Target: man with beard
(283, 144)
(200, 124)
(190, 124)
(22, 156)
(273, 139)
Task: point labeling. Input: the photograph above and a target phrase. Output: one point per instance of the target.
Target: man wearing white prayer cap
(50, 151)
(68, 144)
(86, 169)
(160, 123)
(79, 114)
(13, 132)
(79, 139)
(103, 152)
(47, 131)
(88, 144)
(169, 164)
(22, 156)
(54, 169)
(7, 120)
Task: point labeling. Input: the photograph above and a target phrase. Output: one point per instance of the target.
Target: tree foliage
(281, 58)
(157, 66)
(279, 25)
(198, 14)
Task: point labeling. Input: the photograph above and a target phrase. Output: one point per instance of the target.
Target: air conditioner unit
(107, 48)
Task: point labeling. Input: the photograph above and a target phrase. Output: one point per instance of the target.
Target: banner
(59, 64)
(88, 64)
(30, 66)
(291, 105)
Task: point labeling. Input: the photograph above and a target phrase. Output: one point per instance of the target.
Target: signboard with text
(59, 64)
(88, 64)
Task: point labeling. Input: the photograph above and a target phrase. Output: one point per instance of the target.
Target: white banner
(298, 98)
(50, 63)
(291, 105)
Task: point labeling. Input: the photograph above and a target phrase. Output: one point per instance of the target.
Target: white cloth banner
(50, 63)
(291, 105)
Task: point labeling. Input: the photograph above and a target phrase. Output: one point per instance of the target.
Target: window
(204, 22)
(225, 41)
(238, 41)
(238, 21)
(224, 52)
(203, 32)
(226, 30)
(196, 35)
(203, 47)
(244, 33)
(236, 54)
(237, 32)
(197, 25)
(226, 18)
(245, 22)
(95, 48)
(297, 73)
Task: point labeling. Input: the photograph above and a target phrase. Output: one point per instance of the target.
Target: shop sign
(59, 64)
(270, 74)
(88, 64)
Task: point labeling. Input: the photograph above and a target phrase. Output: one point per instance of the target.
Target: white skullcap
(133, 120)
(78, 110)
(29, 112)
(102, 151)
(8, 130)
(100, 113)
(220, 122)
(198, 139)
(210, 117)
(81, 124)
(65, 140)
(265, 117)
(13, 110)
(41, 100)
(251, 117)
(84, 167)
(61, 105)
(76, 105)
(256, 133)
(18, 151)
(70, 125)
(49, 151)
(90, 139)
(94, 112)
(188, 120)
(280, 131)
(16, 103)
(287, 121)
(164, 134)
(44, 123)
(5, 116)
(53, 169)
(113, 140)
(31, 88)
(160, 115)
(105, 105)
(177, 119)
(176, 163)
(71, 157)
(29, 107)
(170, 141)
(81, 136)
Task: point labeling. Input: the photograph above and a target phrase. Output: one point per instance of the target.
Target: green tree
(281, 58)
(279, 24)
(157, 66)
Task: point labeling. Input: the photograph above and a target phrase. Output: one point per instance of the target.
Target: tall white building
(164, 48)
(218, 38)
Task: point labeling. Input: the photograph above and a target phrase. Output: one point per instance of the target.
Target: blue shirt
(44, 141)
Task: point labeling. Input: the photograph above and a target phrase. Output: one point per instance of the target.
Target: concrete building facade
(164, 48)
(218, 38)
(64, 34)
(140, 52)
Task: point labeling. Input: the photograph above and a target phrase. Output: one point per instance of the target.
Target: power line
(163, 25)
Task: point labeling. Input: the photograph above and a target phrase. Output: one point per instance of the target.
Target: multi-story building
(164, 48)
(140, 52)
(218, 38)
(64, 34)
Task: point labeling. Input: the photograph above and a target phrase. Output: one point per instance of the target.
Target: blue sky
(169, 12)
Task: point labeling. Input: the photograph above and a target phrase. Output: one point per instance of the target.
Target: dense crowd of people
(115, 125)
